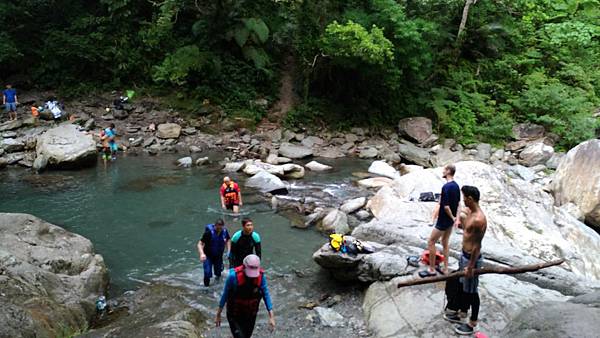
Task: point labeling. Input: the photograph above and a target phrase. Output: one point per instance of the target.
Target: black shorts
(230, 206)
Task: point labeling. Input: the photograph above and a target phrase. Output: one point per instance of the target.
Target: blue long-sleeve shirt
(231, 284)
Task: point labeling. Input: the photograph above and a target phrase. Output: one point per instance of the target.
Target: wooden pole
(483, 271)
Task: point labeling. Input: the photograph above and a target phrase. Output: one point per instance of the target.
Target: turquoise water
(145, 216)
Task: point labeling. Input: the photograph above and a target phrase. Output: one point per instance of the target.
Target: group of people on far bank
(246, 284)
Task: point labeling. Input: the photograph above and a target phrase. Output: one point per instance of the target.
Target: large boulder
(11, 125)
(417, 129)
(381, 168)
(66, 147)
(168, 131)
(267, 183)
(50, 278)
(336, 221)
(316, 166)
(414, 154)
(577, 180)
(154, 311)
(294, 151)
(445, 156)
(577, 317)
(353, 205)
(536, 153)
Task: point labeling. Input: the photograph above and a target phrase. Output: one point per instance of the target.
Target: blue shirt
(110, 133)
(10, 94)
(450, 197)
(231, 284)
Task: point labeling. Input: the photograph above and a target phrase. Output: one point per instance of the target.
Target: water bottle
(101, 303)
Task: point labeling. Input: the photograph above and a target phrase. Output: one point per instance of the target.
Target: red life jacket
(230, 193)
(245, 299)
(439, 258)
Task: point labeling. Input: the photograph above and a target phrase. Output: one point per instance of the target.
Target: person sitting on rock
(211, 247)
(231, 196)
(243, 243)
(246, 285)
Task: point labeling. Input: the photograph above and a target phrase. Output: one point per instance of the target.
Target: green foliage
(353, 41)
(183, 63)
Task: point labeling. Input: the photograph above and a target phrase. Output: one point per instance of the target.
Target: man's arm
(3, 98)
(201, 251)
(222, 202)
(16, 99)
(240, 197)
(257, 249)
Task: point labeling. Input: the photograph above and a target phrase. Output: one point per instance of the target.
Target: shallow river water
(145, 217)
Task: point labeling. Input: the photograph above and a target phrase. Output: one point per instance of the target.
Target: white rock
(381, 168)
(352, 205)
(232, 167)
(329, 317)
(316, 166)
(536, 153)
(375, 182)
(185, 162)
(336, 221)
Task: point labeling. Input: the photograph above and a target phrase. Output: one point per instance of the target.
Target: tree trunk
(497, 270)
(465, 15)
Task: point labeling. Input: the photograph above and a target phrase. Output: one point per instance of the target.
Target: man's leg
(446, 247)
(435, 236)
(248, 325)
(236, 209)
(236, 325)
(207, 271)
(218, 266)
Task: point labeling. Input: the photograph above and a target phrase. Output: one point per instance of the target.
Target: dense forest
(475, 67)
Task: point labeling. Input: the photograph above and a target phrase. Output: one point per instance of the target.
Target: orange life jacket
(230, 193)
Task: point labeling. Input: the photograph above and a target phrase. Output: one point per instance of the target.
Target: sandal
(426, 273)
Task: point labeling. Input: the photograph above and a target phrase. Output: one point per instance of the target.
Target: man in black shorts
(449, 200)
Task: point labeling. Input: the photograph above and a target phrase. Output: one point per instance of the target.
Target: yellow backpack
(336, 241)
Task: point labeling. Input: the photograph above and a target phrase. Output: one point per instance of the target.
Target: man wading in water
(243, 243)
(447, 217)
(231, 196)
(475, 225)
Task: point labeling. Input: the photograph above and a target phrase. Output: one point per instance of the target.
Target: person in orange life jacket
(243, 243)
(211, 247)
(231, 196)
(245, 287)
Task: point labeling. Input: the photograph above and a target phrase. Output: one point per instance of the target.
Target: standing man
(231, 196)
(245, 287)
(10, 101)
(475, 225)
(447, 218)
(243, 243)
(211, 248)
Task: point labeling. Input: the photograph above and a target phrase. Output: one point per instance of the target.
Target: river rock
(536, 153)
(168, 130)
(184, 162)
(11, 125)
(516, 145)
(577, 317)
(9, 134)
(232, 167)
(484, 152)
(352, 205)
(351, 138)
(330, 152)
(554, 161)
(50, 278)
(414, 154)
(521, 172)
(66, 147)
(154, 311)
(202, 161)
(381, 168)
(528, 131)
(417, 129)
(11, 145)
(375, 182)
(329, 317)
(312, 141)
(294, 151)
(316, 166)
(368, 152)
(336, 221)
(267, 183)
(577, 180)
(292, 171)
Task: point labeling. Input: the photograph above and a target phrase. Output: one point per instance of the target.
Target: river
(145, 216)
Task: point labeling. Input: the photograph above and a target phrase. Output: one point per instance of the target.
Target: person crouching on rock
(231, 196)
(245, 287)
(211, 247)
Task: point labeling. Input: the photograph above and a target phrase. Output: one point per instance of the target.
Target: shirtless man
(475, 225)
